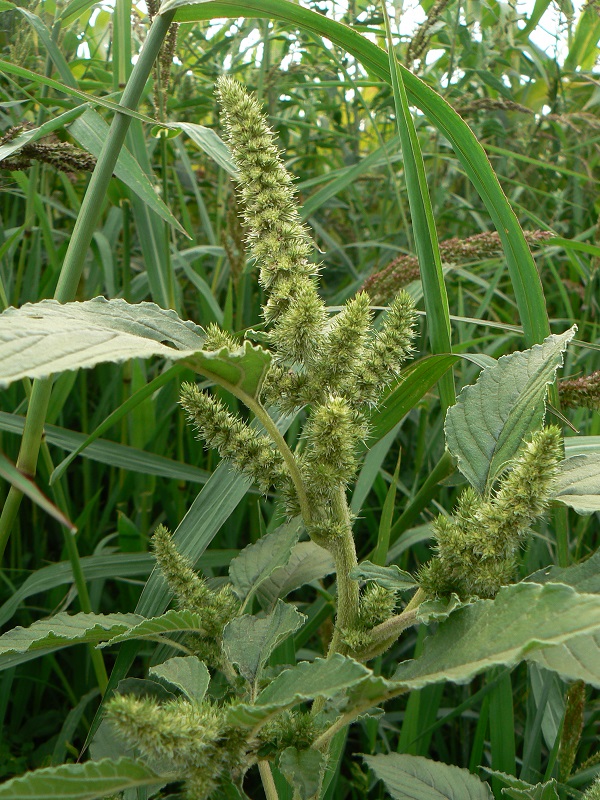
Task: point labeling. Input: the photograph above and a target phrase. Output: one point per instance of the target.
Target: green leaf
(584, 577)
(307, 562)
(61, 630)
(43, 338)
(319, 678)
(578, 483)
(423, 222)
(187, 673)
(114, 454)
(28, 486)
(439, 609)
(409, 777)
(32, 135)
(521, 619)
(391, 577)
(90, 132)
(94, 779)
(521, 790)
(172, 621)
(248, 641)
(208, 141)
(303, 769)
(260, 559)
(576, 660)
(486, 427)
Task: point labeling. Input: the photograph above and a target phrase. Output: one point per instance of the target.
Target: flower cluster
(216, 608)
(476, 548)
(337, 366)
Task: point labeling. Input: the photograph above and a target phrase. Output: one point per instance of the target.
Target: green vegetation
(383, 571)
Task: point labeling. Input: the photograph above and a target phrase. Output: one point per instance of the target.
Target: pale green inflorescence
(187, 738)
(337, 367)
(593, 793)
(216, 608)
(476, 549)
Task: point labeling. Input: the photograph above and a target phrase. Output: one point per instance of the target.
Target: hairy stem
(268, 783)
(344, 553)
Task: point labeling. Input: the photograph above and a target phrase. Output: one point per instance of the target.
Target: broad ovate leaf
(303, 769)
(46, 635)
(520, 621)
(93, 779)
(409, 777)
(260, 559)
(40, 339)
(486, 427)
(578, 483)
(248, 641)
(186, 673)
(392, 577)
(307, 562)
(323, 677)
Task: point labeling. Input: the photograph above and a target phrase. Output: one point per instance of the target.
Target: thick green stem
(267, 780)
(76, 253)
(344, 553)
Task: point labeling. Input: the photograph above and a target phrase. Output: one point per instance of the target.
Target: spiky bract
(476, 549)
(185, 737)
(250, 452)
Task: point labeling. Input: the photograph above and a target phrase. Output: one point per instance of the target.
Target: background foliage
(534, 109)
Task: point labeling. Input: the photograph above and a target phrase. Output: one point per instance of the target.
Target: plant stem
(267, 780)
(76, 253)
(344, 554)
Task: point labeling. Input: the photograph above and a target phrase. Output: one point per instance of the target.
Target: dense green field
(448, 155)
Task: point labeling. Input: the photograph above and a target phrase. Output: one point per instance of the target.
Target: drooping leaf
(303, 770)
(307, 562)
(521, 620)
(187, 673)
(248, 641)
(584, 577)
(93, 779)
(391, 577)
(408, 777)
(28, 486)
(208, 141)
(172, 621)
(61, 630)
(486, 427)
(578, 483)
(260, 559)
(43, 338)
(319, 678)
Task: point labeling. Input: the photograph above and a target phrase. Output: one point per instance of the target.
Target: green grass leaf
(94, 779)
(486, 427)
(407, 777)
(91, 131)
